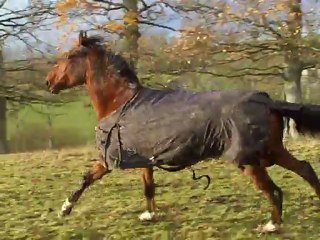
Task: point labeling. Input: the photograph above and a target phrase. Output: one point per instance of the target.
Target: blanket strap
(181, 167)
(201, 176)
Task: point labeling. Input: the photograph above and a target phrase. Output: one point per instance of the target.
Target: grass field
(72, 125)
(34, 185)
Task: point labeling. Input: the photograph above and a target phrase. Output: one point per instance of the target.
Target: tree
(131, 32)
(3, 107)
(18, 24)
(293, 60)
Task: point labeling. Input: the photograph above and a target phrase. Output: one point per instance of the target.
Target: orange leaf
(63, 6)
(114, 26)
(130, 17)
(281, 6)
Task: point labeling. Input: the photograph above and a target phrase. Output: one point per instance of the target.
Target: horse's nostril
(47, 83)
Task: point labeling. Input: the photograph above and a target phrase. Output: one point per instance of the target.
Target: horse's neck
(108, 97)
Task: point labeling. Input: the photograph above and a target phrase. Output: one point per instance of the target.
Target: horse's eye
(54, 63)
(70, 56)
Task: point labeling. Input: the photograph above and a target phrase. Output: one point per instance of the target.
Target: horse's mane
(118, 62)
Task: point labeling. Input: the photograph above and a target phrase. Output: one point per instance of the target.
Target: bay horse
(179, 128)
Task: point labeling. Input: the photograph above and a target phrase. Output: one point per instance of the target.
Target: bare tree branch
(157, 25)
(2, 2)
(242, 74)
(18, 85)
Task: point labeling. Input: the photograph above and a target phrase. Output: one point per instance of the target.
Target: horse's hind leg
(96, 172)
(273, 193)
(280, 156)
(286, 160)
(149, 192)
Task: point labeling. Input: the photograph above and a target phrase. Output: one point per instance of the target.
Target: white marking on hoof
(66, 208)
(147, 216)
(66, 205)
(268, 228)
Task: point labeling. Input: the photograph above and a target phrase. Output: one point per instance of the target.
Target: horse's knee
(98, 170)
(278, 195)
(278, 191)
(149, 190)
(149, 186)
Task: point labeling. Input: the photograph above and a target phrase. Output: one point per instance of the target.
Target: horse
(144, 128)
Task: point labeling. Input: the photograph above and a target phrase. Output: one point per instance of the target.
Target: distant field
(32, 184)
(70, 114)
(72, 125)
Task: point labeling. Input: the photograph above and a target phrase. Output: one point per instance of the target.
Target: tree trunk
(50, 129)
(293, 91)
(293, 63)
(3, 126)
(3, 111)
(131, 32)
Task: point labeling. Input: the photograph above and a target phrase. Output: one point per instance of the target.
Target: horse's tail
(306, 116)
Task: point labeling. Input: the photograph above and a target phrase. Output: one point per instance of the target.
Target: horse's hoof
(66, 208)
(147, 216)
(270, 227)
(64, 213)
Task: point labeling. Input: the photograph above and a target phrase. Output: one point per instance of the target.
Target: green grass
(34, 185)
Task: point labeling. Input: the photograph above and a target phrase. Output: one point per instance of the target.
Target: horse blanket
(181, 128)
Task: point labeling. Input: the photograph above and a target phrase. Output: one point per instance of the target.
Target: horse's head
(90, 61)
(70, 70)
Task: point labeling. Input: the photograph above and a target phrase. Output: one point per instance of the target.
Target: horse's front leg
(149, 192)
(96, 172)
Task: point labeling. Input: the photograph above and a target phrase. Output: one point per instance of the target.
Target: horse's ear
(82, 37)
